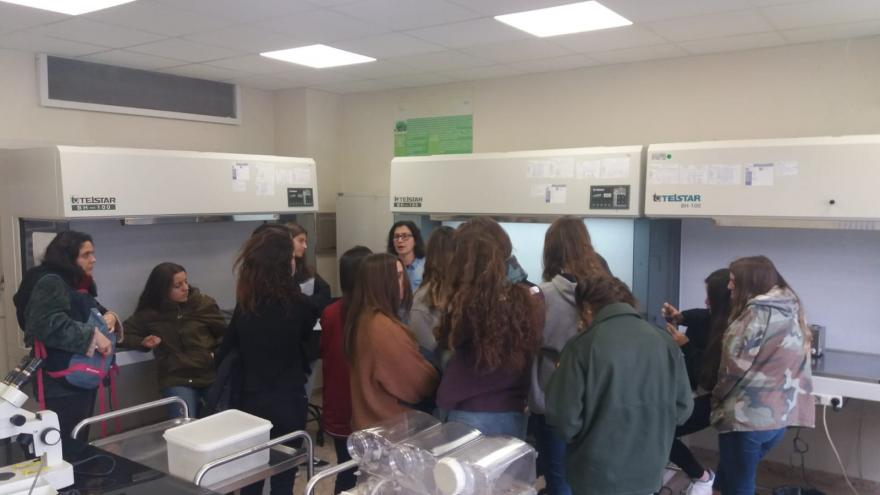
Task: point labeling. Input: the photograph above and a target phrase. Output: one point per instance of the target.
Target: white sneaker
(698, 487)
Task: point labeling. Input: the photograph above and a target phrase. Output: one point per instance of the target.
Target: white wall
(818, 89)
(25, 123)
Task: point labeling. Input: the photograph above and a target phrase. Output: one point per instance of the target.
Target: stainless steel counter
(848, 374)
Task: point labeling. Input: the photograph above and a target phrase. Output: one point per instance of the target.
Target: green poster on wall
(434, 135)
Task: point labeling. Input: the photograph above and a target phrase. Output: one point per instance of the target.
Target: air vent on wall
(75, 84)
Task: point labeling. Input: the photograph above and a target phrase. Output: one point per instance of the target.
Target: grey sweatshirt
(560, 325)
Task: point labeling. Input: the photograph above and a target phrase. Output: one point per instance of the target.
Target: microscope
(47, 472)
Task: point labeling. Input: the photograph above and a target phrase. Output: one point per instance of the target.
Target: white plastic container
(488, 466)
(195, 444)
(413, 460)
(371, 448)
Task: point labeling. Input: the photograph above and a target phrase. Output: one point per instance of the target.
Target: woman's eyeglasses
(401, 237)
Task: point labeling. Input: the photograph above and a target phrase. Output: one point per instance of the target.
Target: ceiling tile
(322, 26)
(158, 18)
(264, 82)
(201, 71)
(712, 26)
(567, 62)
(733, 43)
(765, 3)
(380, 69)
(639, 54)
(257, 64)
(331, 3)
(15, 17)
(467, 33)
(640, 11)
(388, 45)
(408, 14)
(609, 39)
(241, 10)
(490, 72)
(440, 61)
(96, 33)
(516, 51)
(244, 38)
(357, 86)
(427, 79)
(37, 43)
(134, 60)
(185, 50)
(836, 31)
(821, 12)
(498, 7)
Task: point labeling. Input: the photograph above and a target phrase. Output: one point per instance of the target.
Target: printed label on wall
(422, 136)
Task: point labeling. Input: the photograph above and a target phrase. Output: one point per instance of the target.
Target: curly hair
(568, 249)
(439, 255)
(264, 272)
(419, 244)
(497, 319)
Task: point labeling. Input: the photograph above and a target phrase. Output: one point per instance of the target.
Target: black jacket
(272, 346)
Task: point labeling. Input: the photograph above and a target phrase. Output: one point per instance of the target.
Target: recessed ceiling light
(565, 19)
(318, 56)
(70, 7)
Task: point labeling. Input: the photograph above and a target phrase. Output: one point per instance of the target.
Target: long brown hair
(438, 257)
(491, 228)
(568, 249)
(264, 272)
(599, 289)
(718, 296)
(485, 311)
(376, 290)
(756, 275)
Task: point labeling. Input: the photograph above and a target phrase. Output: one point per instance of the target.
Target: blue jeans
(191, 395)
(493, 423)
(551, 456)
(740, 453)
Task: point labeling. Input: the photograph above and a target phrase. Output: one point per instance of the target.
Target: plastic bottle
(489, 465)
(371, 447)
(413, 460)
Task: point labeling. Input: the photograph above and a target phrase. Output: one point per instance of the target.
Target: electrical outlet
(835, 401)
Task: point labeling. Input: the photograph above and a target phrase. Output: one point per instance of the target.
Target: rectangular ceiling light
(318, 56)
(565, 19)
(69, 7)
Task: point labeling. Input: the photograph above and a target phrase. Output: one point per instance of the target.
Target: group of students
(455, 328)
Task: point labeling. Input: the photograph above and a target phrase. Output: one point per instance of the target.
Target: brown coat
(388, 371)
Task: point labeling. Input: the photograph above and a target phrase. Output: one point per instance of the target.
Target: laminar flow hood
(66, 183)
(597, 182)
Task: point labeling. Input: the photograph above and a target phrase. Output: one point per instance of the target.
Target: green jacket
(620, 389)
(190, 334)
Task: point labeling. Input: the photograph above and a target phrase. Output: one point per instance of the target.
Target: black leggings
(699, 420)
(287, 412)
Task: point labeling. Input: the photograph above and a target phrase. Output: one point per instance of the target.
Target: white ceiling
(417, 42)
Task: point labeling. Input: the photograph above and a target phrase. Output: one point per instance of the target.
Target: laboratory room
(439, 247)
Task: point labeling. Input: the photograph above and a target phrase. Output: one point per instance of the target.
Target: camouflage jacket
(764, 381)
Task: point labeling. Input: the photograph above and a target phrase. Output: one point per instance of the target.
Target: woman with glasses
(388, 372)
(405, 242)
